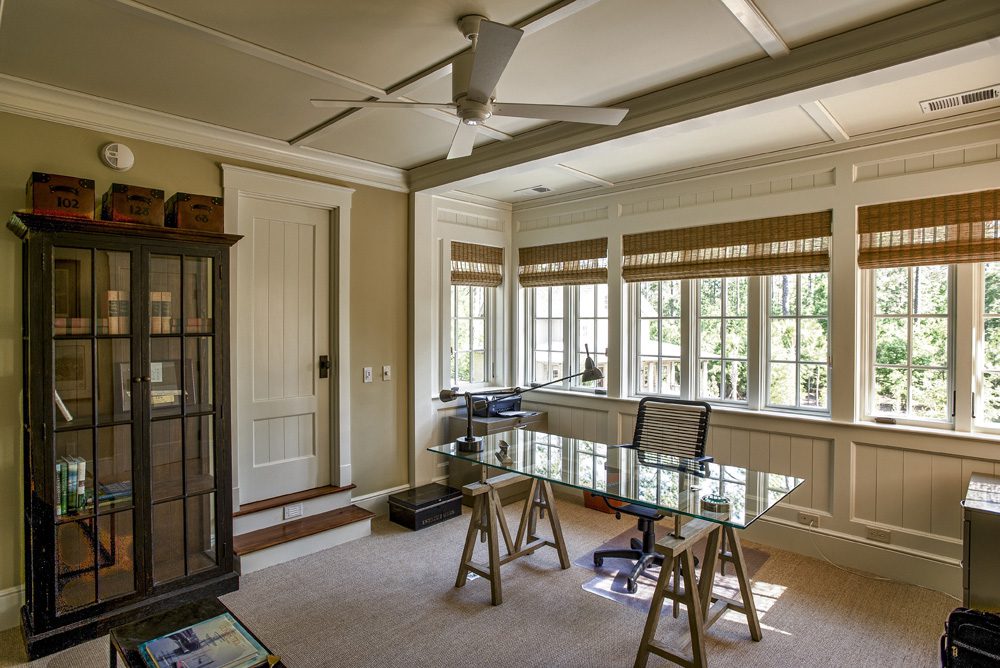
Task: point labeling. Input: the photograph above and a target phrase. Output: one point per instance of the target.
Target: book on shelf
(220, 642)
(118, 311)
(61, 406)
(112, 492)
(71, 485)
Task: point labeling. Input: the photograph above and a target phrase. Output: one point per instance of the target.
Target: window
(547, 344)
(591, 328)
(722, 339)
(468, 334)
(658, 343)
(562, 322)
(798, 366)
(990, 346)
(911, 361)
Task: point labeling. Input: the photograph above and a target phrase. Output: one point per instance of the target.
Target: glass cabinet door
(182, 364)
(92, 408)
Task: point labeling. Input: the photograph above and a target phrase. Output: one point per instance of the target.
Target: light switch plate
(386, 372)
(368, 374)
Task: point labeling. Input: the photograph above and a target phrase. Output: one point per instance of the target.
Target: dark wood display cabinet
(127, 459)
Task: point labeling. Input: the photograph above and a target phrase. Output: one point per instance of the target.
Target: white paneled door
(283, 409)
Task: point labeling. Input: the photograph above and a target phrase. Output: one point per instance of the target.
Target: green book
(71, 486)
(59, 487)
(81, 483)
(64, 486)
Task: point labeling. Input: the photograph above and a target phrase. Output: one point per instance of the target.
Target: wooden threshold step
(294, 497)
(307, 526)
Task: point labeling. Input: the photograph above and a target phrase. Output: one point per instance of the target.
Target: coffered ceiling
(707, 81)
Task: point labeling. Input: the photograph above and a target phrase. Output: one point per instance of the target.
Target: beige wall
(378, 312)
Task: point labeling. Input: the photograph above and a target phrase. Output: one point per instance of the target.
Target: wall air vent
(987, 94)
(537, 189)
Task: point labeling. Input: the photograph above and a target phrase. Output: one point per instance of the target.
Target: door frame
(241, 182)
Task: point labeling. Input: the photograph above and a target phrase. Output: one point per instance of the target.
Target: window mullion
(689, 352)
(755, 347)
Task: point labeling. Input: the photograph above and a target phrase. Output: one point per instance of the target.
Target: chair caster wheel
(598, 561)
(631, 586)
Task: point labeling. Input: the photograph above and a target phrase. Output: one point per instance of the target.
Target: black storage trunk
(425, 506)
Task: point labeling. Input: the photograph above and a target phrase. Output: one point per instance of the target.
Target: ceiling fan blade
(465, 138)
(557, 112)
(384, 104)
(494, 48)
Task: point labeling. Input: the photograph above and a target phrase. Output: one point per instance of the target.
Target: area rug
(610, 578)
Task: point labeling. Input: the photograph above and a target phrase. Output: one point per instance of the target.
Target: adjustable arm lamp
(470, 443)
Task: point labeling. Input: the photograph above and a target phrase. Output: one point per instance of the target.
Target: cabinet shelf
(128, 501)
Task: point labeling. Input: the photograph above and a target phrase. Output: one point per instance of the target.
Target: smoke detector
(978, 96)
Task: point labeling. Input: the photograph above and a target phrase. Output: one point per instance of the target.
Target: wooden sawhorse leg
(487, 516)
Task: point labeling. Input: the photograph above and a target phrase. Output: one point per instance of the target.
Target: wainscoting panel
(912, 490)
(282, 439)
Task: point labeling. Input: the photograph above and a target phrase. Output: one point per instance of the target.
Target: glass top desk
(631, 476)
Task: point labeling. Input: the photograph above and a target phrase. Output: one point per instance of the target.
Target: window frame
(570, 355)
(766, 347)
(978, 410)
(867, 392)
(490, 299)
(752, 318)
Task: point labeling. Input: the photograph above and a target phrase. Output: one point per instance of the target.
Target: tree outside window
(990, 345)
(798, 341)
(468, 334)
(659, 338)
(722, 338)
(912, 347)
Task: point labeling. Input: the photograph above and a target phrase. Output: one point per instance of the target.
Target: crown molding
(49, 103)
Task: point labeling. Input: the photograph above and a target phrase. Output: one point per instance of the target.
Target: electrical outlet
(880, 535)
(386, 372)
(292, 511)
(368, 374)
(806, 518)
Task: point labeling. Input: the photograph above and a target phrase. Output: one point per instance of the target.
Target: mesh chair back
(671, 431)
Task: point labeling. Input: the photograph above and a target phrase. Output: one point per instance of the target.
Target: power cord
(869, 576)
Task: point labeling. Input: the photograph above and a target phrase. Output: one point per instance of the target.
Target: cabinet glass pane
(168, 541)
(116, 555)
(71, 291)
(199, 450)
(198, 383)
(75, 584)
(74, 473)
(165, 459)
(201, 532)
(164, 294)
(112, 272)
(166, 384)
(74, 391)
(114, 380)
(198, 315)
(114, 468)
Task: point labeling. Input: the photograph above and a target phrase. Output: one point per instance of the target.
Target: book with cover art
(220, 642)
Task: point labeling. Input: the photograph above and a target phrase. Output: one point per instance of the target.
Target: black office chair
(669, 433)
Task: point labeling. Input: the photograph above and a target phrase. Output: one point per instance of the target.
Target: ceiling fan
(474, 77)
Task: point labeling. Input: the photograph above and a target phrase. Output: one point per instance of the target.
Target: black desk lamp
(470, 443)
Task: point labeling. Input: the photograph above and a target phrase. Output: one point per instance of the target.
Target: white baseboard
(910, 566)
(11, 601)
(377, 502)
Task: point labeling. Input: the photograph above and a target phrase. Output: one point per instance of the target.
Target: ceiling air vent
(961, 99)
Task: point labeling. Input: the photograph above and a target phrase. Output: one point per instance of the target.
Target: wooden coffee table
(126, 639)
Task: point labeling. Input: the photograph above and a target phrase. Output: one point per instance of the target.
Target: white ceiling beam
(584, 176)
(747, 13)
(826, 121)
(543, 19)
(249, 48)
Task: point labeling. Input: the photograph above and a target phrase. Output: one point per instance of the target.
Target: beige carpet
(389, 600)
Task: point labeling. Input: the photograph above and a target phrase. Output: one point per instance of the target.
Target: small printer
(495, 405)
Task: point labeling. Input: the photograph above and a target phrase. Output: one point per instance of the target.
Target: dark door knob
(324, 366)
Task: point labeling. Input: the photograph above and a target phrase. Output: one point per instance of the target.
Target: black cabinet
(127, 458)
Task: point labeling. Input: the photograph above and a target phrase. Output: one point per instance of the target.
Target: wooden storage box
(425, 506)
(132, 204)
(195, 212)
(56, 195)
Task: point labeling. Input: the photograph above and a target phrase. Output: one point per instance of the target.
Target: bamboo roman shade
(472, 264)
(936, 230)
(781, 245)
(572, 263)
